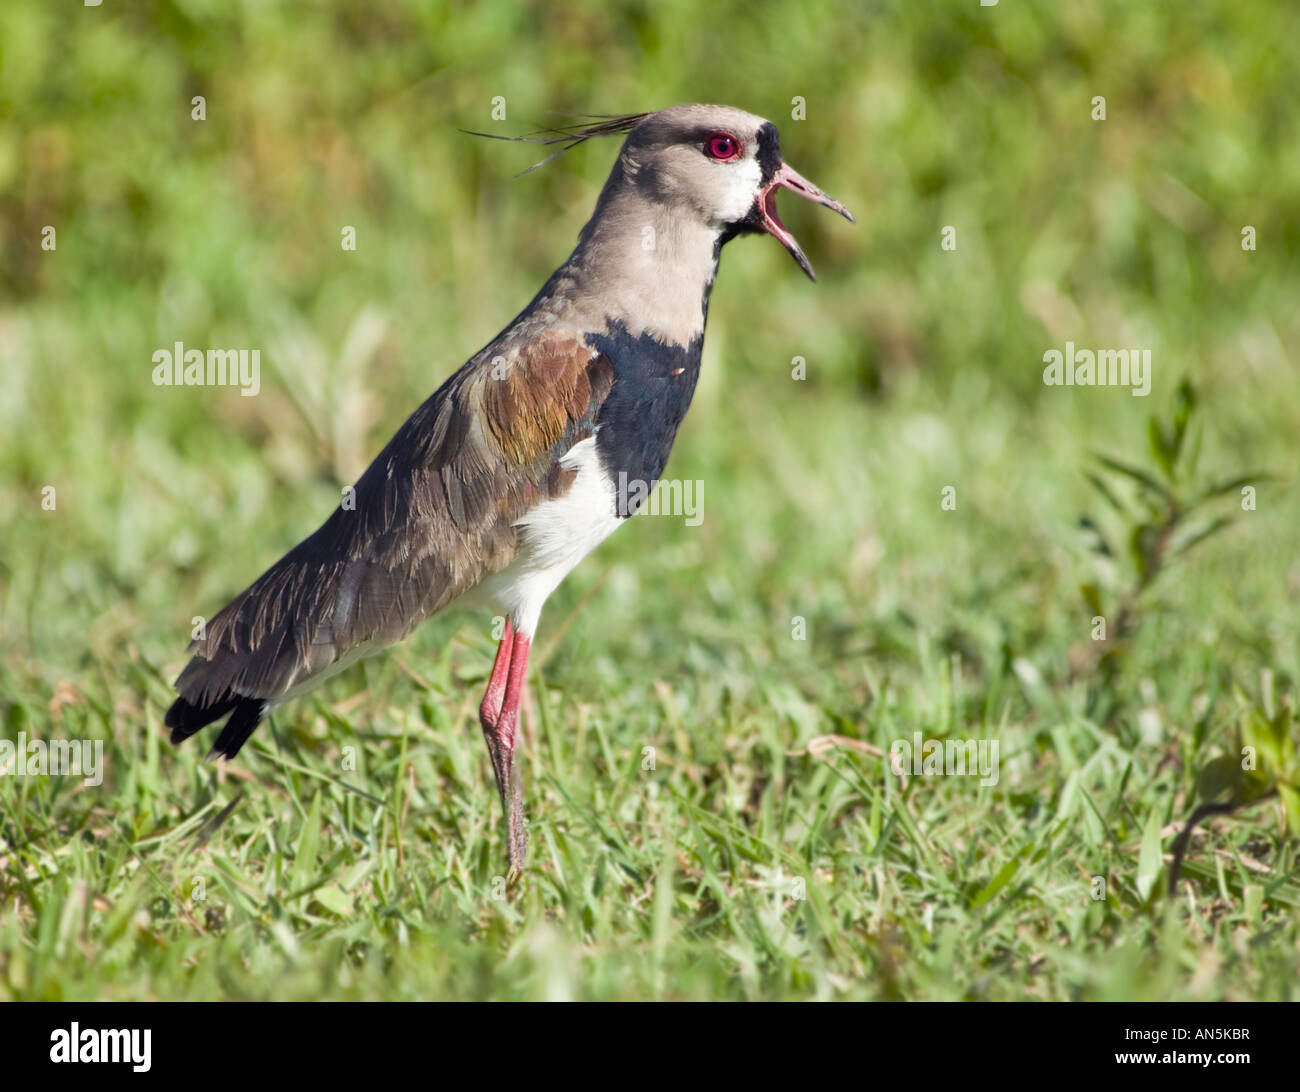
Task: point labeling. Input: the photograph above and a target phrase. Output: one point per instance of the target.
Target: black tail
(184, 719)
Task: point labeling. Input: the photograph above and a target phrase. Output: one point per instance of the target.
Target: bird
(517, 466)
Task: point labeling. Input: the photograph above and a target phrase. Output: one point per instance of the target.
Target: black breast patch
(653, 385)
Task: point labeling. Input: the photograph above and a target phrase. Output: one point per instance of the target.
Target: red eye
(722, 146)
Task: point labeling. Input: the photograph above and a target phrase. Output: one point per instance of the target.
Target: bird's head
(716, 165)
(720, 165)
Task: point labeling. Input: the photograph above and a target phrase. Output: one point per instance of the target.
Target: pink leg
(499, 716)
(490, 710)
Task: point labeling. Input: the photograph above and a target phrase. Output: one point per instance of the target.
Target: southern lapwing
(510, 474)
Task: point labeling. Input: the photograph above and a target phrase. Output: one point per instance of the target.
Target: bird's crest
(570, 136)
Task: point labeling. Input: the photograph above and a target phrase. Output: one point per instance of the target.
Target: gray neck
(638, 264)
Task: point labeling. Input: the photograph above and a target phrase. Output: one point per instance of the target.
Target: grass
(762, 849)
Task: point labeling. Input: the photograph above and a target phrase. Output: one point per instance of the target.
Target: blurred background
(923, 363)
(822, 498)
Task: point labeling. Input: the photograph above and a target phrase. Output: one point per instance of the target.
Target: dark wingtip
(184, 718)
(246, 717)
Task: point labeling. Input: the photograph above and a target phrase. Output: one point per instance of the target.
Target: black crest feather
(570, 136)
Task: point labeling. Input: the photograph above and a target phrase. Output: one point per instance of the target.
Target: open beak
(787, 177)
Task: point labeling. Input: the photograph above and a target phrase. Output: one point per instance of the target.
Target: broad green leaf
(304, 861)
(1001, 879)
(334, 900)
(1282, 725)
(1290, 805)
(1221, 777)
(1258, 731)
(1149, 859)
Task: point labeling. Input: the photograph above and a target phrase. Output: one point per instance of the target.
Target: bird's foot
(516, 828)
(505, 764)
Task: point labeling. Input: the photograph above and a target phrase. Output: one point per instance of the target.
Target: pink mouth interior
(769, 207)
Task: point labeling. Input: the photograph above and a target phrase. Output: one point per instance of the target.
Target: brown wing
(434, 513)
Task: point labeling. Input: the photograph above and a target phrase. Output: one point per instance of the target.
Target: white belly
(553, 538)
